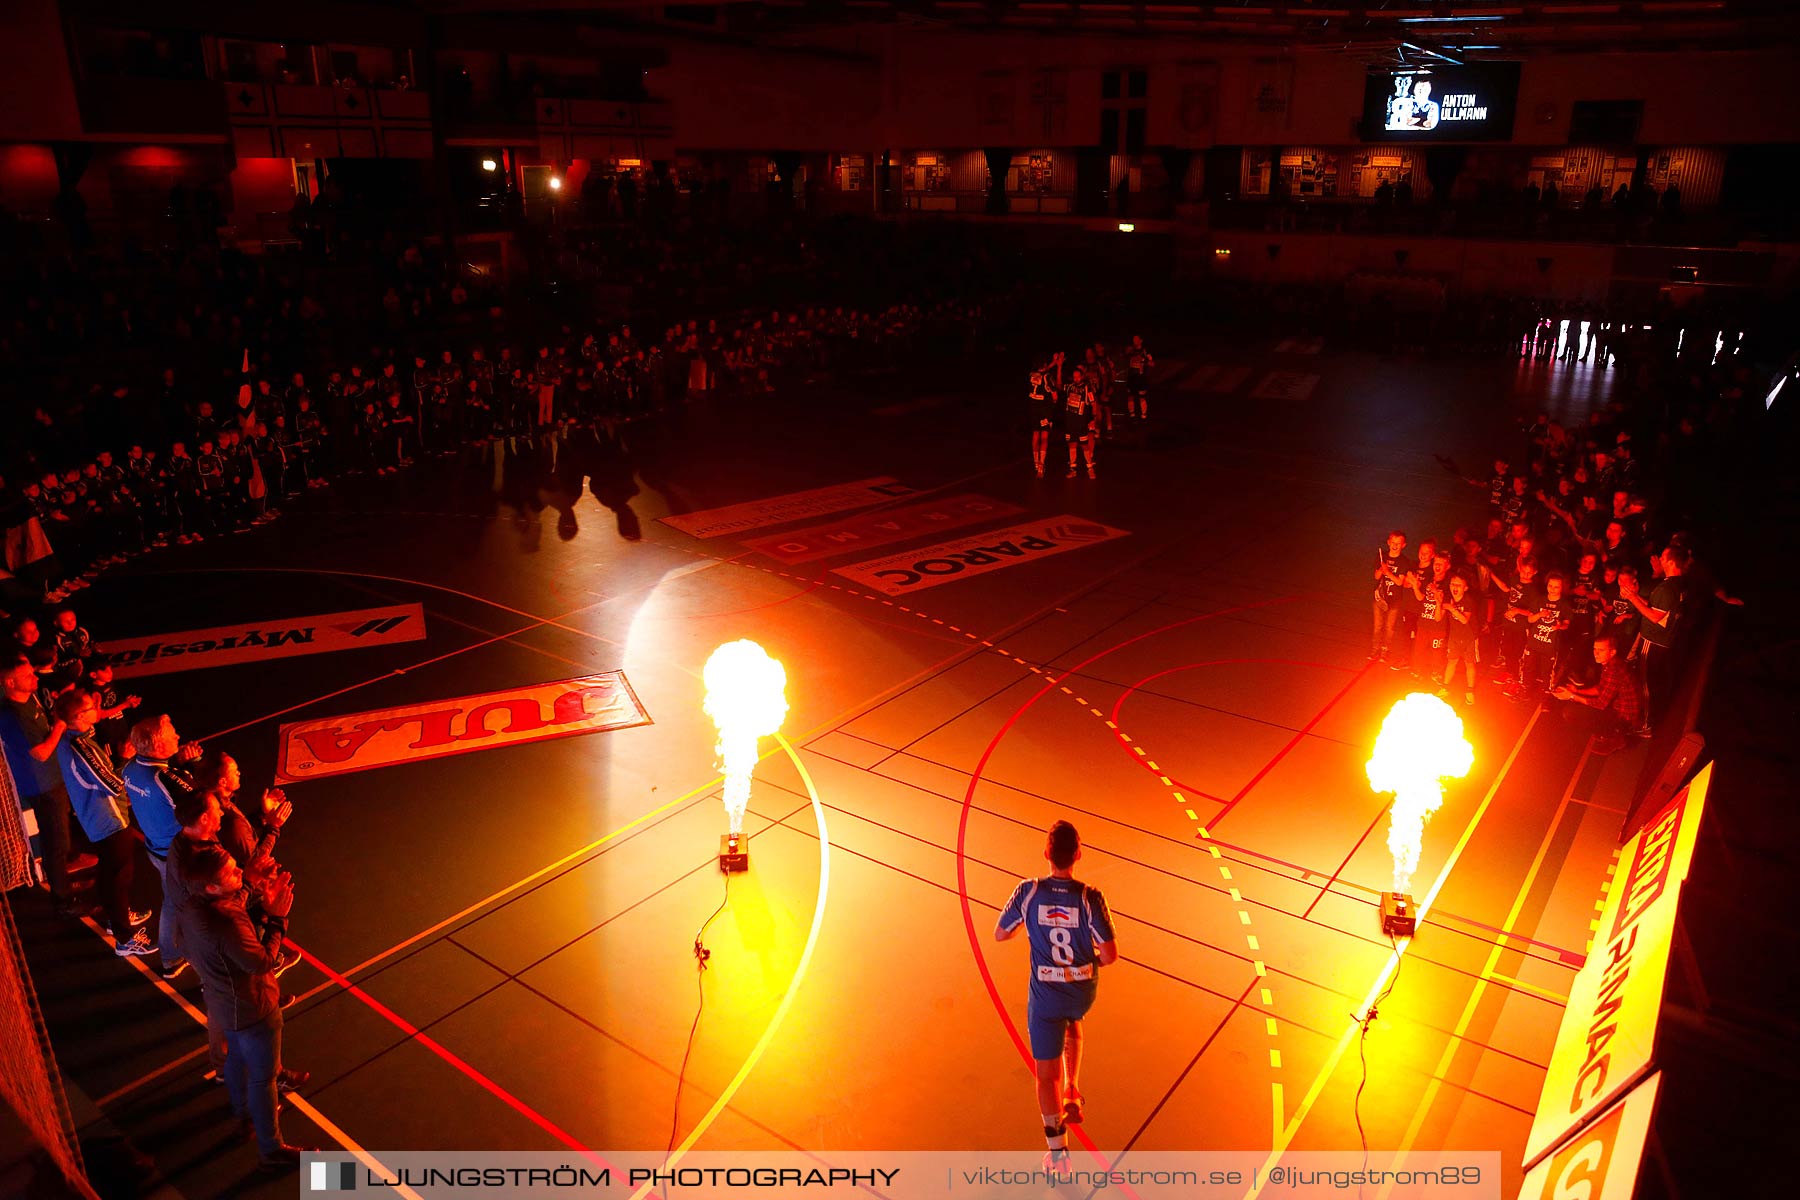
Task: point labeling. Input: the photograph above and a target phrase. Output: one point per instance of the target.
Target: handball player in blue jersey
(1071, 935)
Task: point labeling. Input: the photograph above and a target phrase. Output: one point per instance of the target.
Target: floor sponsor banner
(1603, 1160)
(915, 570)
(260, 641)
(1607, 1040)
(780, 510)
(1286, 385)
(1202, 375)
(1228, 379)
(883, 528)
(384, 737)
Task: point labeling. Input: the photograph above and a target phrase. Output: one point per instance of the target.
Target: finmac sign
(1607, 1041)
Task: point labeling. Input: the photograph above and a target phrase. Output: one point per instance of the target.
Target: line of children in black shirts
(1565, 557)
(1076, 400)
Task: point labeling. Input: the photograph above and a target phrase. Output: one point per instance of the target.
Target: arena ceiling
(1372, 29)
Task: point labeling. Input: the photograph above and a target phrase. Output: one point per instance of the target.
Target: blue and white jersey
(1063, 920)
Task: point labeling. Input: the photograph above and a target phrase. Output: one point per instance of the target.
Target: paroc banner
(914, 570)
(1607, 1041)
(260, 641)
(385, 737)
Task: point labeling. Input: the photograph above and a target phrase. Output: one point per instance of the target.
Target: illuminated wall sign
(1441, 103)
(1608, 1036)
(260, 641)
(1602, 1161)
(385, 737)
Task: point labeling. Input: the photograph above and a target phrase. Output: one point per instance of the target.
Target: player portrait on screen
(1399, 106)
(1411, 109)
(1424, 108)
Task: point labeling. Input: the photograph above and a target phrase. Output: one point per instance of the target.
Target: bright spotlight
(488, 164)
(1126, 227)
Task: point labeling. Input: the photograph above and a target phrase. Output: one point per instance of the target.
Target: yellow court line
(1285, 1135)
(1432, 1086)
(1532, 989)
(793, 988)
(510, 888)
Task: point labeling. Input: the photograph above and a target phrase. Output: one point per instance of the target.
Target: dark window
(1109, 85)
(1134, 131)
(1109, 131)
(1136, 84)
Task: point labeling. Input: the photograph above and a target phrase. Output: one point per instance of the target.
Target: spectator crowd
(134, 794)
(1573, 587)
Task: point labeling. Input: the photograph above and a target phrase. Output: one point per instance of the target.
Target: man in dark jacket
(236, 958)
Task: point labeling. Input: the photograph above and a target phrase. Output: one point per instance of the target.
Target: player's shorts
(1046, 1023)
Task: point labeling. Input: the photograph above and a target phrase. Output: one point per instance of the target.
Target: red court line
(1142, 761)
(1288, 749)
(426, 1040)
(1340, 867)
(962, 826)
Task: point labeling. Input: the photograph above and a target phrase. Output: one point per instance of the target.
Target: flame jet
(1421, 744)
(746, 699)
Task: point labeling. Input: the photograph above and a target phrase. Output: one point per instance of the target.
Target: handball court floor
(498, 944)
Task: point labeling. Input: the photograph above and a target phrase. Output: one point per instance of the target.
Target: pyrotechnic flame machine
(747, 701)
(1420, 745)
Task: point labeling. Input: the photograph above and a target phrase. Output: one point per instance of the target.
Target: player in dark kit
(1071, 935)
(1462, 641)
(1078, 420)
(1541, 663)
(1043, 418)
(1390, 567)
(1138, 362)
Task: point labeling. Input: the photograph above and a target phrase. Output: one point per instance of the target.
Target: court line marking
(510, 888)
(124, 1090)
(492, 603)
(470, 1071)
(793, 988)
(1287, 749)
(831, 722)
(408, 669)
(301, 1103)
(962, 831)
(1286, 1133)
(1530, 989)
(1422, 1111)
